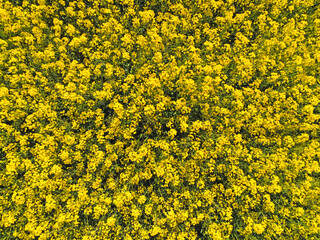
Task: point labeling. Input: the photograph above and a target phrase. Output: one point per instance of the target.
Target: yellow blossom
(111, 221)
(258, 228)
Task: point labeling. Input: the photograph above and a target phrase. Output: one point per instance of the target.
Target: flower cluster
(131, 119)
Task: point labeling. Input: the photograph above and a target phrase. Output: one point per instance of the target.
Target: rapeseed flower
(137, 119)
(258, 228)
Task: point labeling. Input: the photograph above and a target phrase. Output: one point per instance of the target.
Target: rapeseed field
(160, 119)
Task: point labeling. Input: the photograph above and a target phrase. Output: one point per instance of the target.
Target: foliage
(133, 119)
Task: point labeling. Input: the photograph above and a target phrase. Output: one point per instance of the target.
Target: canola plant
(168, 119)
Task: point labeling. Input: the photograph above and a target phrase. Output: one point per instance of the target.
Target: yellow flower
(88, 238)
(50, 203)
(56, 170)
(136, 22)
(172, 133)
(149, 110)
(98, 211)
(142, 199)
(148, 209)
(19, 199)
(111, 221)
(135, 213)
(4, 91)
(146, 16)
(8, 219)
(258, 228)
(155, 230)
(269, 205)
(142, 41)
(277, 228)
(82, 194)
(85, 74)
(128, 237)
(96, 184)
(214, 231)
(160, 171)
(157, 57)
(64, 155)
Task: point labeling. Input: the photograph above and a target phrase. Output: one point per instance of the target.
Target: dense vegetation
(161, 119)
